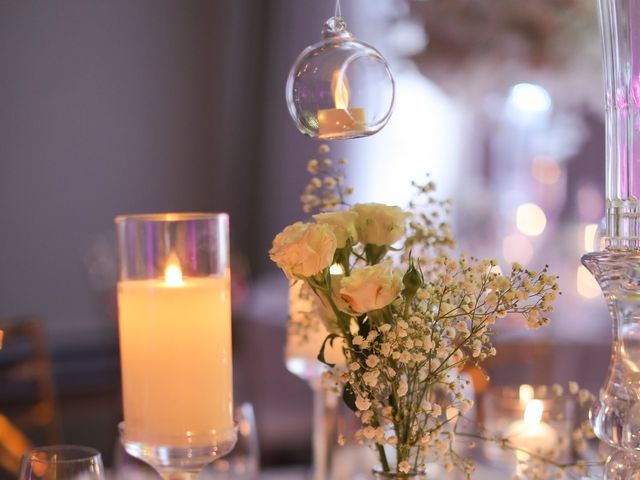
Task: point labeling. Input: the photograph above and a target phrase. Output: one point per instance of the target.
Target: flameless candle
(175, 330)
(340, 120)
(174, 333)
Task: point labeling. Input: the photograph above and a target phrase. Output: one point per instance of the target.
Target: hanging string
(338, 12)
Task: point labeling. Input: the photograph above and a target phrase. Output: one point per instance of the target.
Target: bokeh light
(546, 170)
(530, 219)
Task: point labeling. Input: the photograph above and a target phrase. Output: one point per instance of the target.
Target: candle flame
(173, 272)
(340, 88)
(533, 413)
(526, 393)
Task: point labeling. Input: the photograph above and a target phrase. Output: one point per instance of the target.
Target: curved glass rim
(169, 217)
(190, 436)
(84, 454)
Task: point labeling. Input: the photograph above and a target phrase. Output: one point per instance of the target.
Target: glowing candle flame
(533, 413)
(526, 393)
(340, 88)
(173, 272)
(530, 219)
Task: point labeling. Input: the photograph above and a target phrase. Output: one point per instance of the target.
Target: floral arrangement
(409, 313)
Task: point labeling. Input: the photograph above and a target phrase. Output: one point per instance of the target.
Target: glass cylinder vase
(174, 308)
(615, 414)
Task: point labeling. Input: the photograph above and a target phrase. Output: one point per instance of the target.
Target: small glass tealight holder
(531, 419)
(341, 87)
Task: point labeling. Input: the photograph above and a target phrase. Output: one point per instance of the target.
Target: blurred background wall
(148, 106)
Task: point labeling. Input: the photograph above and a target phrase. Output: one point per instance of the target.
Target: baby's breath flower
(312, 166)
(362, 403)
(372, 361)
(369, 432)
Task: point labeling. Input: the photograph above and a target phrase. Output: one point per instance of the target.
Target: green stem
(407, 305)
(383, 458)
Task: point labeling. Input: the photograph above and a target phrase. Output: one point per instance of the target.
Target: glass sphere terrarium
(341, 87)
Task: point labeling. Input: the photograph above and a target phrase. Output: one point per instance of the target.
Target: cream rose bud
(343, 224)
(304, 249)
(371, 288)
(379, 224)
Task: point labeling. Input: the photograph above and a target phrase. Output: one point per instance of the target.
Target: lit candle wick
(173, 273)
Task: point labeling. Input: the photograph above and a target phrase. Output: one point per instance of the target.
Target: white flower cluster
(408, 312)
(326, 190)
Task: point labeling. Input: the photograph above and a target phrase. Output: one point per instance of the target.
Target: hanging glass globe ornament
(340, 87)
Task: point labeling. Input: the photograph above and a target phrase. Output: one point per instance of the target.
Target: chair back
(28, 407)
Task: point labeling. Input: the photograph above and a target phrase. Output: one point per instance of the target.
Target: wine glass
(244, 462)
(62, 462)
(174, 309)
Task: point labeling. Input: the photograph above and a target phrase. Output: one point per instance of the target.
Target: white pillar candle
(175, 342)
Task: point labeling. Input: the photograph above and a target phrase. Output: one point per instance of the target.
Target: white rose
(371, 288)
(343, 224)
(303, 250)
(379, 224)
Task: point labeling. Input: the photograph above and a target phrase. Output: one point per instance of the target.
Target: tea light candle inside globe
(337, 122)
(340, 121)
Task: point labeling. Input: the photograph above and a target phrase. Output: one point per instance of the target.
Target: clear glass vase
(615, 414)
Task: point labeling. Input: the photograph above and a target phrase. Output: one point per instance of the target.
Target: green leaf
(349, 397)
(330, 338)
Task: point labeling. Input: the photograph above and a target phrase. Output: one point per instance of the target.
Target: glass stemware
(174, 307)
(62, 462)
(305, 336)
(244, 462)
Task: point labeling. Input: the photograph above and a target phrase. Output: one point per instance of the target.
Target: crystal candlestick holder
(615, 414)
(174, 311)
